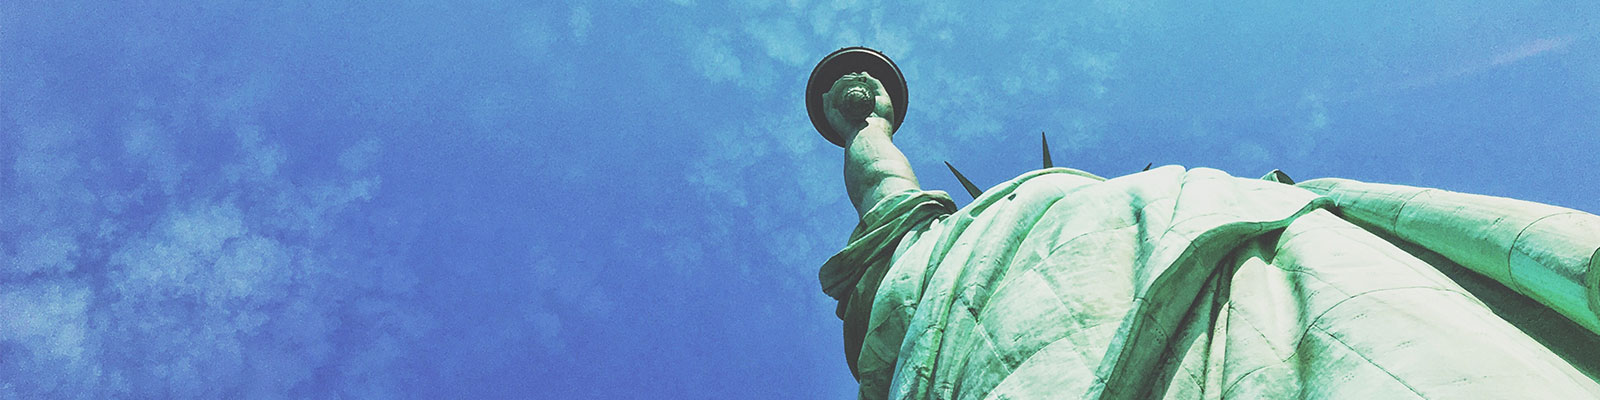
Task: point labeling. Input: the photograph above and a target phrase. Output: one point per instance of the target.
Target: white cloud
(781, 39)
(187, 286)
(560, 285)
(715, 59)
(359, 157)
(204, 227)
(259, 160)
(717, 171)
(252, 269)
(46, 158)
(685, 256)
(1252, 156)
(50, 322)
(977, 126)
(156, 155)
(50, 252)
(546, 330)
(1314, 103)
(580, 23)
(536, 36)
(49, 317)
(235, 106)
(1300, 143)
(1099, 68)
(1083, 132)
(892, 38)
(790, 247)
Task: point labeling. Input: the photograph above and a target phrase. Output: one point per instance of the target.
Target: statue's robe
(1197, 285)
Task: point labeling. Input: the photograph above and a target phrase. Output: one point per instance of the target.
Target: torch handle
(856, 103)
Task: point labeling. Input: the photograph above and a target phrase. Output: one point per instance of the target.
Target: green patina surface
(1192, 284)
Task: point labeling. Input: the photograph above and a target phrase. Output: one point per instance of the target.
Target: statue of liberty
(1192, 284)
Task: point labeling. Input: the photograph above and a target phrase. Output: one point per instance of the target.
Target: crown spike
(971, 188)
(1046, 144)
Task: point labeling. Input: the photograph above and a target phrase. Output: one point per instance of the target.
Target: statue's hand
(856, 102)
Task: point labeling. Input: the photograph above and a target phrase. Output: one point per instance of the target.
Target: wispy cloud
(1517, 53)
(580, 22)
(187, 274)
(536, 36)
(1532, 48)
(715, 59)
(781, 39)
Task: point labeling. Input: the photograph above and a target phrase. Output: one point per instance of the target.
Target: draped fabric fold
(1544, 252)
(1193, 284)
(854, 272)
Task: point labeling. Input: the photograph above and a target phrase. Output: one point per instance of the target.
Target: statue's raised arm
(859, 109)
(857, 99)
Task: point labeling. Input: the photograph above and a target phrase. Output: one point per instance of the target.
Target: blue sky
(577, 199)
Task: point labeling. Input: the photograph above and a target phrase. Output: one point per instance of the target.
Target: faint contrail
(1531, 49)
(1526, 50)
(1522, 52)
